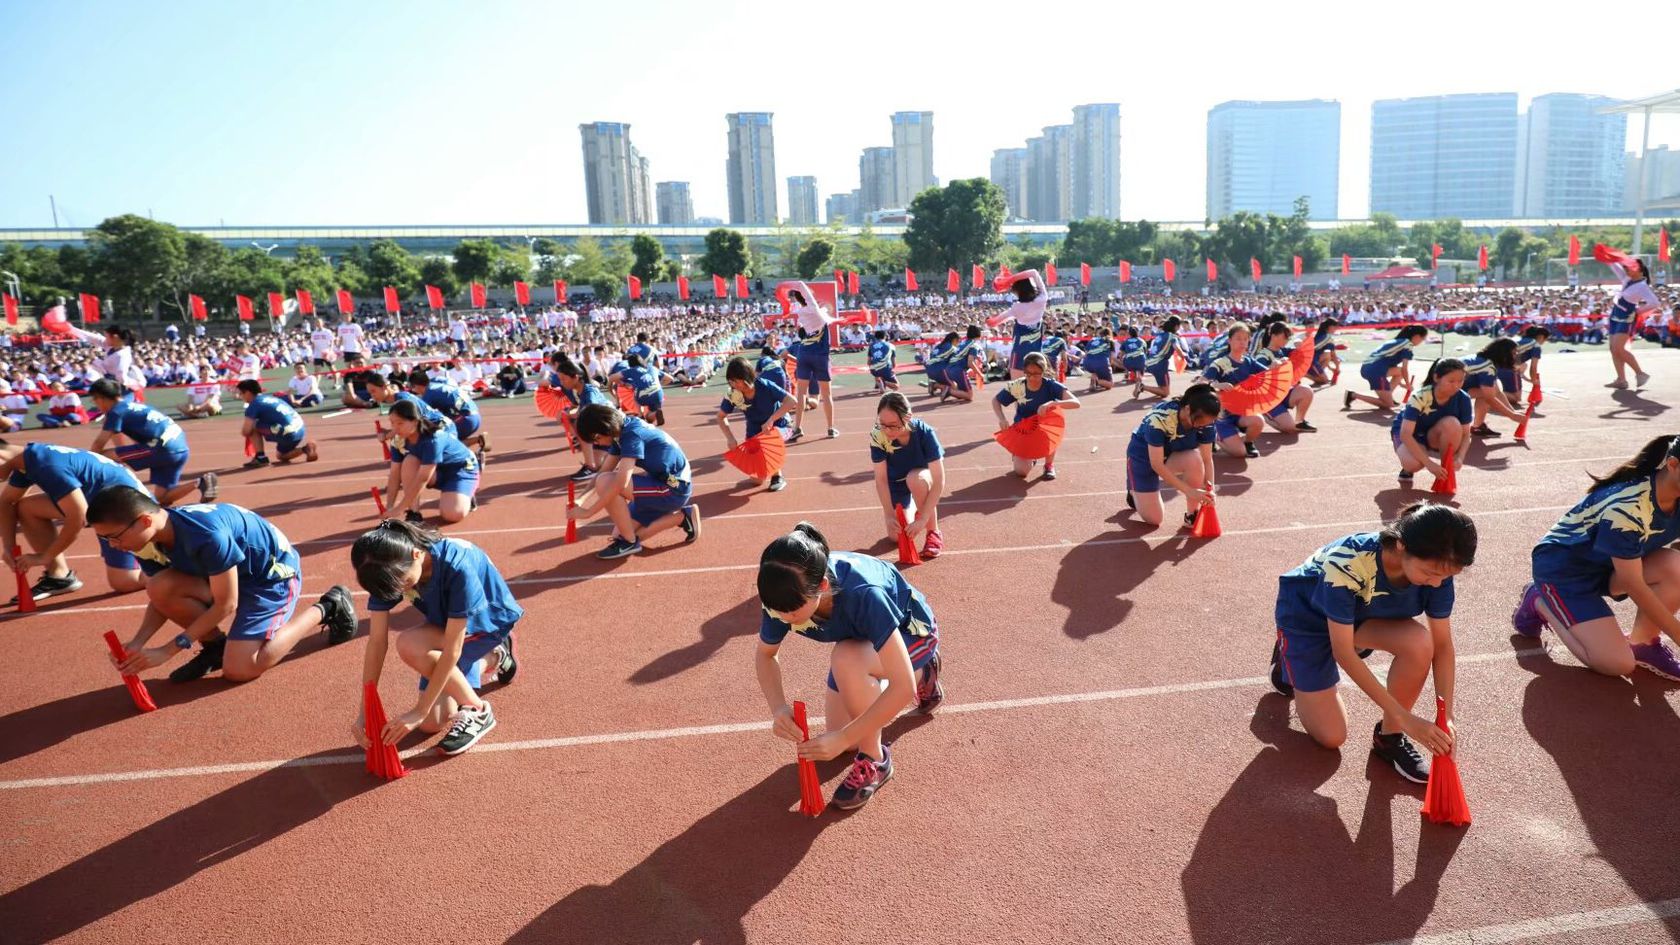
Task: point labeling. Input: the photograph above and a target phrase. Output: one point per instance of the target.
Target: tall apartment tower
(752, 168)
(1570, 158)
(1050, 175)
(1444, 156)
(1095, 187)
(1262, 156)
(802, 201)
(912, 135)
(1009, 172)
(842, 207)
(676, 207)
(877, 170)
(615, 176)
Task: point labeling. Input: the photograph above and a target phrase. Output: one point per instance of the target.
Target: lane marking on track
(692, 731)
(1546, 926)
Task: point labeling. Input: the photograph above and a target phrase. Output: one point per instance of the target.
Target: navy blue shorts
(457, 477)
(1098, 367)
(290, 442)
(1159, 371)
(1577, 601)
(811, 365)
(1225, 427)
(1509, 381)
(468, 424)
(1140, 476)
(473, 651)
(922, 650)
(117, 558)
(1378, 379)
(1619, 327)
(886, 375)
(265, 606)
(165, 467)
(1020, 348)
(1309, 664)
(655, 499)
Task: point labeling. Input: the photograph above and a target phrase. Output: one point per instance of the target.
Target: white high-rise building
(1050, 175)
(1661, 168)
(752, 168)
(876, 174)
(802, 201)
(1096, 161)
(842, 208)
(1009, 172)
(1570, 158)
(912, 134)
(1444, 156)
(615, 176)
(1262, 156)
(676, 207)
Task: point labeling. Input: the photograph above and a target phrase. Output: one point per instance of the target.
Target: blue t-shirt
(61, 470)
(641, 349)
(449, 400)
(1228, 370)
(147, 426)
(1027, 401)
(1344, 582)
(1387, 357)
(1161, 427)
(1131, 353)
(442, 448)
(1528, 349)
(1425, 412)
(901, 458)
(655, 453)
(1480, 372)
(880, 356)
(961, 352)
(938, 356)
(1053, 347)
(464, 584)
(1621, 520)
(872, 601)
(643, 380)
(590, 394)
(1162, 348)
(273, 416)
(210, 539)
(766, 399)
(1097, 350)
(773, 370)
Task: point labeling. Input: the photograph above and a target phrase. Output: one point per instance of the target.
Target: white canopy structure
(1647, 106)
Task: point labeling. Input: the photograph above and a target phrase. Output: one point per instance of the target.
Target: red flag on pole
(1481, 258)
(434, 297)
(910, 281)
(195, 304)
(1254, 268)
(635, 287)
(11, 305)
(306, 302)
(1169, 271)
(560, 295)
(1347, 264)
(1434, 255)
(521, 293)
(840, 280)
(90, 308)
(1125, 271)
(480, 297)
(1051, 277)
(953, 282)
(392, 304)
(247, 310)
(1296, 266)
(1212, 270)
(276, 304)
(345, 303)
(1662, 245)
(682, 288)
(719, 287)
(852, 283)
(977, 277)
(1574, 250)
(741, 290)
(1084, 273)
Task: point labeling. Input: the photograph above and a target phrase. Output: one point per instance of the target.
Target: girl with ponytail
(1613, 544)
(1436, 419)
(431, 456)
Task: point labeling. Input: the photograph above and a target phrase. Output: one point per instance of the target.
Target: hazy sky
(370, 112)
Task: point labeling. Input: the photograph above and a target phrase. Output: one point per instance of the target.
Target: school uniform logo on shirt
(153, 554)
(1350, 570)
(1017, 389)
(1165, 419)
(736, 399)
(879, 438)
(805, 626)
(1627, 509)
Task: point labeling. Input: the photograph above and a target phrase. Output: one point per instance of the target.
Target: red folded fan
(1443, 799)
(382, 759)
(1003, 280)
(1449, 484)
(378, 500)
(384, 447)
(627, 400)
(571, 436)
(1036, 437)
(907, 553)
(25, 593)
(550, 402)
(1610, 255)
(250, 448)
(978, 378)
(760, 456)
(1536, 395)
(1260, 393)
(1301, 359)
(571, 503)
(811, 802)
(136, 688)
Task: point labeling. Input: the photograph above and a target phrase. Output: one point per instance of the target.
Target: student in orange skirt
(1033, 394)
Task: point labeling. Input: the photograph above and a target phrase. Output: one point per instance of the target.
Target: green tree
(248, 272)
(203, 259)
(815, 258)
(1507, 250)
(649, 259)
(1380, 239)
(1181, 246)
(726, 253)
(137, 262)
(955, 225)
(513, 264)
(389, 264)
(436, 270)
(349, 275)
(1100, 241)
(1455, 241)
(310, 271)
(475, 260)
(1236, 239)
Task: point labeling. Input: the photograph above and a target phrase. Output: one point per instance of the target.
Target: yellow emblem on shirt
(737, 399)
(1017, 388)
(154, 554)
(1628, 509)
(805, 626)
(882, 441)
(1350, 570)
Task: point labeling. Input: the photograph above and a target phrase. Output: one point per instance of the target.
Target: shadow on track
(738, 621)
(1099, 606)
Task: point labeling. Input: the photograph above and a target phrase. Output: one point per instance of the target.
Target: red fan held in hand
(136, 688)
(759, 456)
(1522, 428)
(1609, 255)
(550, 402)
(1443, 799)
(907, 553)
(384, 447)
(1206, 524)
(25, 593)
(811, 801)
(1259, 393)
(1301, 358)
(627, 401)
(251, 448)
(1036, 437)
(1449, 484)
(571, 503)
(378, 500)
(382, 759)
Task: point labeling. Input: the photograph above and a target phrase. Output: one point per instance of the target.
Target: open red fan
(550, 402)
(1261, 392)
(627, 400)
(759, 456)
(1036, 437)
(1302, 357)
(1003, 280)
(1610, 254)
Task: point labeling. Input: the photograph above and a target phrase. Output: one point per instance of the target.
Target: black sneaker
(1189, 519)
(865, 778)
(1049, 473)
(52, 586)
(691, 523)
(929, 693)
(1405, 477)
(1280, 679)
(508, 667)
(208, 659)
(1398, 750)
(832, 433)
(777, 483)
(468, 727)
(413, 515)
(618, 548)
(795, 435)
(1251, 451)
(256, 462)
(1306, 427)
(1483, 430)
(584, 474)
(338, 614)
(1347, 400)
(209, 486)
(1131, 501)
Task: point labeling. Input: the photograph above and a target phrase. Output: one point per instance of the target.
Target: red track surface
(1109, 766)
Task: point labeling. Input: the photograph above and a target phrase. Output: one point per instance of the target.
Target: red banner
(720, 288)
(635, 284)
(276, 304)
(1254, 268)
(1296, 264)
(1434, 255)
(306, 302)
(480, 297)
(247, 308)
(839, 280)
(1574, 250)
(1212, 271)
(977, 278)
(852, 283)
(521, 293)
(910, 281)
(741, 290)
(434, 297)
(953, 282)
(1347, 264)
(1125, 271)
(1481, 258)
(1051, 276)
(1168, 270)
(345, 303)
(1662, 245)
(195, 305)
(11, 306)
(1084, 273)
(90, 308)
(391, 302)
(560, 294)
(682, 288)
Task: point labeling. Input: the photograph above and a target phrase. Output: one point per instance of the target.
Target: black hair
(376, 379)
(420, 377)
(792, 569)
(409, 410)
(1024, 289)
(797, 296)
(641, 336)
(973, 331)
(1410, 331)
(1171, 324)
(1650, 458)
(1324, 328)
(881, 335)
(740, 369)
(119, 505)
(1131, 331)
(1537, 331)
(634, 360)
(950, 338)
(1502, 352)
(766, 352)
(896, 402)
(1038, 358)
(595, 420)
(1201, 400)
(250, 386)
(1442, 368)
(1279, 328)
(1433, 532)
(563, 364)
(124, 334)
(382, 555)
(106, 388)
(1644, 271)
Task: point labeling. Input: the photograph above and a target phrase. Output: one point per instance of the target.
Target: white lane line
(1551, 925)
(692, 731)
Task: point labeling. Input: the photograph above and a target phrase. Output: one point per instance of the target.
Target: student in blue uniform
(938, 384)
(455, 404)
(1055, 349)
(1614, 544)
(909, 471)
(1096, 357)
(1174, 442)
(882, 358)
(267, 417)
(762, 404)
(1032, 297)
(773, 368)
(641, 349)
(1325, 360)
(963, 357)
(1363, 592)
(883, 631)
(69, 479)
(1527, 361)
(1133, 356)
(644, 384)
(1034, 393)
(1158, 362)
(432, 455)
(1235, 434)
(1275, 348)
(465, 643)
(1481, 382)
(156, 443)
(645, 485)
(1385, 368)
(210, 567)
(1634, 300)
(1436, 419)
(574, 382)
(811, 368)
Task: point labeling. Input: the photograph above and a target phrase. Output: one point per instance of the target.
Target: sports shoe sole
(1653, 670)
(610, 554)
(931, 704)
(691, 518)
